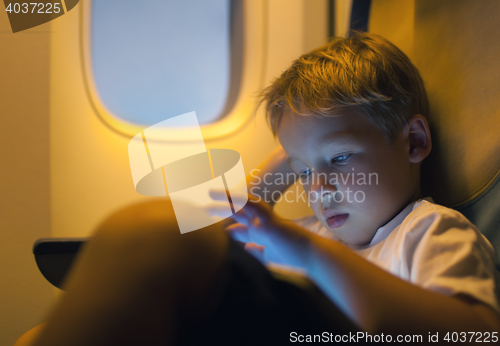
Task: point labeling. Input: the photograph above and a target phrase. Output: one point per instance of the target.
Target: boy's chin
(355, 240)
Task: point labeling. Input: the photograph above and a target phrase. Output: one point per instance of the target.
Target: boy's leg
(139, 281)
(252, 307)
(133, 279)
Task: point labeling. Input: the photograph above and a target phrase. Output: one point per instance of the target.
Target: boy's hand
(267, 236)
(254, 223)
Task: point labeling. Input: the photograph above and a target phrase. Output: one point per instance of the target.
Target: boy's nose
(321, 180)
(327, 200)
(321, 186)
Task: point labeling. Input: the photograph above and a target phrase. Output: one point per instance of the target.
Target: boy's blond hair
(364, 72)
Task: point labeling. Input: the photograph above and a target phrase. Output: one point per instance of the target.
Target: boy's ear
(418, 136)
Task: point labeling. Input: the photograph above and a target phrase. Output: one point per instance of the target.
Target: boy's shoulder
(422, 217)
(430, 229)
(439, 249)
(431, 246)
(428, 219)
(427, 208)
(418, 217)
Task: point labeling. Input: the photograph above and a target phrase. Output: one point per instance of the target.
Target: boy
(352, 109)
(397, 264)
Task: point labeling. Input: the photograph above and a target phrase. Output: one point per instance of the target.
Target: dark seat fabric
(484, 212)
(254, 307)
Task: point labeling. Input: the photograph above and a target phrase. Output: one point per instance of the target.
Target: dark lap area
(252, 307)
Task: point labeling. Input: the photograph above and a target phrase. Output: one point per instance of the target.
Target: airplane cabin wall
(90, 172)
(25, 295)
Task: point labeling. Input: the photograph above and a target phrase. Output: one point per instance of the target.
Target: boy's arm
(374, 299)
(380, 302)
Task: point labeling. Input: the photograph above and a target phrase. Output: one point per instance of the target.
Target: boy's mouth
(335, 221)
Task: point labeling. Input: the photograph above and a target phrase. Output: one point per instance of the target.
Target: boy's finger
(241, 217)
(236, 227)
(253, 210)
(256, 251)
(239, 233)
(221, 209)
(238, 200)
(217, 209)
(218, 195)
(254, 247)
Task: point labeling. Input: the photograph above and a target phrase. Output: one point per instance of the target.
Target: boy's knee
(135, 275)
(153, 225)
(141, 246)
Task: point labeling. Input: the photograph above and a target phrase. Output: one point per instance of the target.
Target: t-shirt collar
(384, 231)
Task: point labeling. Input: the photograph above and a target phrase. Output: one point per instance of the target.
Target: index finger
(238, 200)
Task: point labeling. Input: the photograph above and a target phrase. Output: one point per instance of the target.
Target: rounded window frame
(251, 77)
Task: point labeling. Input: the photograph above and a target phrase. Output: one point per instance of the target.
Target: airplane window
(155, 59)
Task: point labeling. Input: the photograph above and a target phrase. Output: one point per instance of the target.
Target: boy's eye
(304, 175)
(341, 158)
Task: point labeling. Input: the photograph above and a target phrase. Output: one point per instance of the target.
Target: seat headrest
(455, 46)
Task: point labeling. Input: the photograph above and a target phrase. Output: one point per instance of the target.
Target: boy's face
(355, 181)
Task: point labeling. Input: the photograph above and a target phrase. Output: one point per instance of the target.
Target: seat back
(454, 44)
(55, 256)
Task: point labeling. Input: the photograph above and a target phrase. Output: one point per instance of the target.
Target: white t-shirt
(431, 246)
